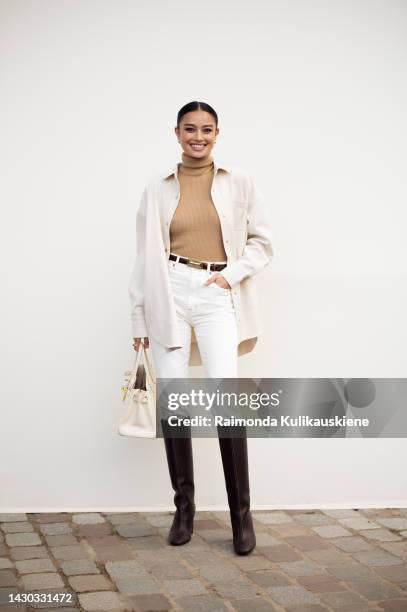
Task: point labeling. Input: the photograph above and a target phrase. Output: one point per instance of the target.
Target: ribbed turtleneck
(195, 229)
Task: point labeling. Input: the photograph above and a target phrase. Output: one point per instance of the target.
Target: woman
(202, 233)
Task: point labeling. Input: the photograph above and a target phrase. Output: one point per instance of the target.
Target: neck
(196, 162)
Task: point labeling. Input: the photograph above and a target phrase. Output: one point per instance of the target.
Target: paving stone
(308, 608)
(90, 583)
(301, 568)
(55, 528)
(382, 535)
(51, 517)
(118, 570)
(285, 530)
(359, 524)
(220, 571)
(403, 533)
(215, 535)
(152, 542)
(270, 518)
(269, 578)
(29, 552)
(123, 518)
(395, 573)
(66, 553)
(239, 589)
(114, 553)
(202, 603)
(7, 578)
(135, 530)
(254, 604)
(100, 529)
(22, 539)
(207, 524)
(253, 562)
(352, 571)
(35, 566)
(352, 544)
(87, 518)
(374, 589)
(42, 581)
(138, 584)
(342, 513)
(311, 542)
(198, 558)
(393, 605)
(12, 517)
(396, 548)
(17, 527)
(79, 567)
(344, 600)
(5, 563)
(328, 557)
(266, 539)
(394, 523)
(61, 540)
(150, 602)
(314, 519)
(291, 595)
(376, 557)
(280, 553)
(104, 600)
(171, 554)
(160, 520)
(180, 588)
(321, 584)
(166, 572)
(332, 531)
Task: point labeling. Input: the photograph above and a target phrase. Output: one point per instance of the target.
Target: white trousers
(211, 312)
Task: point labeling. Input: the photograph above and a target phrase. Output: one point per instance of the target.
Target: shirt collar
(217, 166)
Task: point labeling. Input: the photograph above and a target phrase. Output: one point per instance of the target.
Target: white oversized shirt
(246, 233)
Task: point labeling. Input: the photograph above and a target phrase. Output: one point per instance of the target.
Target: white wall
(311, 98)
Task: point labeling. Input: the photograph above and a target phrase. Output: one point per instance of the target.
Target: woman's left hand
(219, 280)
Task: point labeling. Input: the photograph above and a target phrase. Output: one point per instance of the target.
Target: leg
(174, 364)
(236, 470)
(216, 333)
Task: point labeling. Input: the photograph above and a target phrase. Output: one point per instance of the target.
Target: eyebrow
(194, 125)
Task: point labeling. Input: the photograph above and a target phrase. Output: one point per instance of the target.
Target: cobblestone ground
(305, 561)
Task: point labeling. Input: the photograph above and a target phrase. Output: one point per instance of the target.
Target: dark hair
(193, 106)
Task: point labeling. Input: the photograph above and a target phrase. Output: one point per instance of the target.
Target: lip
(197, 146)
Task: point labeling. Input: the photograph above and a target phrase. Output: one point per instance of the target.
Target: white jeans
(210, 311)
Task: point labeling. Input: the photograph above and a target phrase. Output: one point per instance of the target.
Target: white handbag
(138, 418)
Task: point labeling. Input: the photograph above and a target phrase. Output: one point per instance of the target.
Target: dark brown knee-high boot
(236, 471)
(181, 469)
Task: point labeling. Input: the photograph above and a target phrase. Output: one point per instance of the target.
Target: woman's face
(197, 133)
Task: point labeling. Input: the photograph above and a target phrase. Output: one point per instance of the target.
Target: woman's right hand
(136, 343)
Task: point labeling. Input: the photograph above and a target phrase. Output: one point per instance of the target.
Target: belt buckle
(194, 263)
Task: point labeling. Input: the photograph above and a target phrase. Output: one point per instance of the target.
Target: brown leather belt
(198, 264)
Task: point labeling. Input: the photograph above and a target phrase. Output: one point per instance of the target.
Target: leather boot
(236, 471)
(180, 465)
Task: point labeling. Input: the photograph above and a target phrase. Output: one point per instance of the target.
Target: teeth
(197, 146)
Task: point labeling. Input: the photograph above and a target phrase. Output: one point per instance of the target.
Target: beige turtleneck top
(195, 229)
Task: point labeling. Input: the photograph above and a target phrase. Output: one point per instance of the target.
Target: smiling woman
(202, 233)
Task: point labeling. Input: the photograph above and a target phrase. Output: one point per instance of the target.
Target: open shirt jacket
(246, 233)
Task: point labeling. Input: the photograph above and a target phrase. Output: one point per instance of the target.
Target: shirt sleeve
(258, 251)
(136, 284)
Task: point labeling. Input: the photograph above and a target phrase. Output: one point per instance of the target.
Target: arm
(136, 284)
(258, 251)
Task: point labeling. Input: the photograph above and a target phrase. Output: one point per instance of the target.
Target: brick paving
(304, 561)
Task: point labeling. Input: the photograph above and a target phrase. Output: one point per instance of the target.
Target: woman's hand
(219, 280)
(136, 343)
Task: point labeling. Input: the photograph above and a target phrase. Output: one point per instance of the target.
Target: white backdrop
(311, 98)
